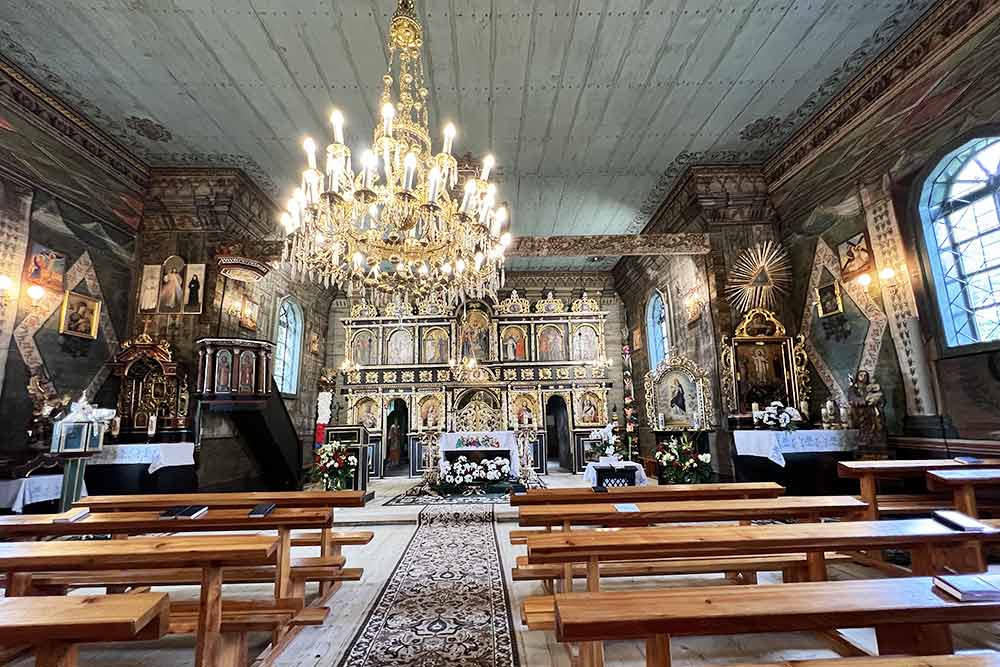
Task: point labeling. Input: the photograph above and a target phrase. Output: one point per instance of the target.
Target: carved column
(898, 298)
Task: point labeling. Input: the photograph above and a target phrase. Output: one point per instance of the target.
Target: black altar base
(804, 474)
(135, 478)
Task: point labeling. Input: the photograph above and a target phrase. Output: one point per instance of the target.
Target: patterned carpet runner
(446, 604)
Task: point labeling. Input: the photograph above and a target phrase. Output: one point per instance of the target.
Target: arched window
(288, 346)
(959, 206)
(657, 329)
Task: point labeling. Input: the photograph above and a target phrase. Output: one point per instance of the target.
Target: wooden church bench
(909, 617)
(652, 493)
(336, 539)
(963, 484)
(978, 659)
(55, 625)
(240, 500)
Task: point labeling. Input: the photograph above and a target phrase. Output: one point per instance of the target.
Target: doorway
(560, 453)
(397, 450)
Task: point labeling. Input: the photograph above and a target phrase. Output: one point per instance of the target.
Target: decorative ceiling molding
(202, 199)
(545, 280)
(610, 245)
(710, 195)
(60, 120)
(939, 33)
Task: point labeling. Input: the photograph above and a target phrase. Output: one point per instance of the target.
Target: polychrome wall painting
(513, 344)
(172, 288)
(436, 346)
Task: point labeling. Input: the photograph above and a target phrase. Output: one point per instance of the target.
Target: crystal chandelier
(402, 224)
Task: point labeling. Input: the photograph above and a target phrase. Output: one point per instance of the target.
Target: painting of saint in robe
(430, 414)
(171, 298)
(476, 335)
(436, 347)
(524, 411)
(361, 348)
(195, 288)
(589, 410)
(366, 414)
(400, 348)
(513, 344)
(223, 371)
(551, 344)
(247, 363)
(761, 373)
(586, 344)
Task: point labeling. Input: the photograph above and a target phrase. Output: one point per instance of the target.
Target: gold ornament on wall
(760, 275)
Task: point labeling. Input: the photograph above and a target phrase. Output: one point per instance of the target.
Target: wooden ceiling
(592, 107)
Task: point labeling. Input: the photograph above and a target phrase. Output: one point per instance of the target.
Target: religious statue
(867, 411)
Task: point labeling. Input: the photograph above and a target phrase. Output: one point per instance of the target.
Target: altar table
(157, 455)
(590, 472)
(500, 441)
(774, 445)
(16, 493)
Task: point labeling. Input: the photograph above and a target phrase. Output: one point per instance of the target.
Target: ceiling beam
(609, 245)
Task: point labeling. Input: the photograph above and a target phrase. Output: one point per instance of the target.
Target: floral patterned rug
(446, 604)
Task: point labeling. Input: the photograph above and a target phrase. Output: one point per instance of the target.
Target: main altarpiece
(479, 367)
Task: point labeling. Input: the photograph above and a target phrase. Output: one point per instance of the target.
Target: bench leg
(658, 651)
(233, 650)
(914, 639)
(56, 654)
(326, 548)
(592, 654)
(209, 617)
(816, 564)
(18, 584)
(967, 558)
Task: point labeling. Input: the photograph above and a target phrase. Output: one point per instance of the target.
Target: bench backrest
(161, 501)
(663, 492)
(906, 467)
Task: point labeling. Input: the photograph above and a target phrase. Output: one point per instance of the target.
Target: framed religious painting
(436, 346)
(551, 344)
(171, 294)
(586, 343)
(855, 256)
(366, 412)
(399, 348)
(149, 288)
(364, 348)
(678, 396)
(513, 343)
(829, 300)
(80, 315)
(524, 410)
(194, 289)
(761, 364)
(589, 408)
(249, 314)
(475, 335)
(46, 267)
(430, 413)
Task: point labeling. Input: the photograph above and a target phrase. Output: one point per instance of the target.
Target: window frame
(297, 347)
(927, 247)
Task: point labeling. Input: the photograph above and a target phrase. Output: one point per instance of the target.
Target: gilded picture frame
(829, 300)
(80, 315)
(680, 390)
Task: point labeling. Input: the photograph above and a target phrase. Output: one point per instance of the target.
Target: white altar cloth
(774, 445)
(461, 442)
(156, 454)
(16, 493)
(590, 472)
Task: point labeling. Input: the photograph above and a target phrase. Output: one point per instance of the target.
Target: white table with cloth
(157, 455)
(16, 493)
(774, 445)
(481, 441)
(590, 472)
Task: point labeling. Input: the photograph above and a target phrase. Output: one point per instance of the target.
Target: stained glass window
(657, 329)
(288, 346)
(962, 232)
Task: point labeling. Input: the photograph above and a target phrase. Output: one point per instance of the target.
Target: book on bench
(968, 459)
(184, 512)
(970, 587)
(73, 515)
(261, 510)
(958, 521)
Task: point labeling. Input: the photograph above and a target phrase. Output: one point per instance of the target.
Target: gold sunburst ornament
(760, 275)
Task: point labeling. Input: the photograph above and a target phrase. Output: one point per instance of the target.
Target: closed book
(968, 459)
(72, 516)
(958, 521)
(172, 512)
(626, 507)
(192, 512)
(261, 510)
(970, 587)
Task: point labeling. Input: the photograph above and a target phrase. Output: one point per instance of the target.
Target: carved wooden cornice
(27, 95)
(565, 279)
(609, 245)
(208, 199)
(708, 195)
(936, 35)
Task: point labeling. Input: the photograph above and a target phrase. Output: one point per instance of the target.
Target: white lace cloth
(16, 493)
(506, 441)
(774, 445)
(157, 455)
(590, 472)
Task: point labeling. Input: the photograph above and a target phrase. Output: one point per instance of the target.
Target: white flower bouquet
(778, 417)
(462, 471)
(680, 463)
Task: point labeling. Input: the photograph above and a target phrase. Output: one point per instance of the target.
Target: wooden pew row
(54, 626)
(978, 659)
(648, 493)
(963, 484)
(240, 500)
(909, 617)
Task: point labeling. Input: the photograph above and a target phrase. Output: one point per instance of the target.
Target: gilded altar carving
(153, 385)
(514, 305)
(478, 415)
(550, 305)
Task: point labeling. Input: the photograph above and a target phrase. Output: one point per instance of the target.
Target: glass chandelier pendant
(402, 224)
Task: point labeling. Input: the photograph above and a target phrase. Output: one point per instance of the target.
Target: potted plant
(678, 461)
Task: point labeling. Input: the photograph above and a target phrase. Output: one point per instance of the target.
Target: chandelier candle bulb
(337, 120)
(433, 185)
(409, 171)
(470, 190)
(310, 146)
(388, 113)
(488, 163)
(449, 137)
(370, 163)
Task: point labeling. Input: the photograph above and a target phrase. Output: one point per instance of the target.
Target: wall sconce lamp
(886, 276)
(36, 293)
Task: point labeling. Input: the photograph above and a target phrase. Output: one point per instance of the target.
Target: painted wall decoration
(194, 291)
(171, 297)
(551, 343)
(476, 335)
(828, 300)
(45, 267)
(399, 347)
(436, 346)
(363, 348)
(80, 315)
(149, 288)
(855, 254)
(513, 344)
(586, 343)
(249, 314)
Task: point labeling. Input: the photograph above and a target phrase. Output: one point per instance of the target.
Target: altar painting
(435, 346)
(431, 413)
(590, 409)
(677, 399)
(363, 348)
(586, 344)
(761, 373)
(399, 348)
(366, 413)
(524, 410)
(513, 344)
(551, 343)
(475, 335)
